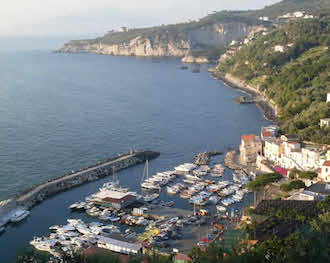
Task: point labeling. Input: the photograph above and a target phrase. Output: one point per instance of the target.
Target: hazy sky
(95, 17)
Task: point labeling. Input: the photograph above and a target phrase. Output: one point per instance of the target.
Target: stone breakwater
(39, 193)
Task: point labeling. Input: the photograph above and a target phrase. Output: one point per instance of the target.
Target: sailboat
(146, 183)
(114, 184)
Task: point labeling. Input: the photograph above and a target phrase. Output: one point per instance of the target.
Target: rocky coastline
(269, 110)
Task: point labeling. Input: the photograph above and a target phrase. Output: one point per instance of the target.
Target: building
(325, 123)
(264, 18)
(268, 132)
(272, 149)
(311, 158)
(123, 29)
(119, 246)
(114, 199)
(250, 147)
(279, 48)
(290, 138)
(306, 195)
(325, 172)
(328, 97)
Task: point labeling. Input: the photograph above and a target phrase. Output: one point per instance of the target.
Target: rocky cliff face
(166, 44)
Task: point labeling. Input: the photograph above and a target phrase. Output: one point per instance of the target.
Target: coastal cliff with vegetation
(290, 66)
(202, 40)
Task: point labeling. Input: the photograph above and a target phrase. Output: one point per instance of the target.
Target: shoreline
(268, 110)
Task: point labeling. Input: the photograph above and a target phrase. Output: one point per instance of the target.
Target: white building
(299, 14)
(279, 48)
(328, 97)
(118, 246)
(123, 29)
(325, 172)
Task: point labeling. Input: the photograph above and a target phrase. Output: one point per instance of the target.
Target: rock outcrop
(164, 43)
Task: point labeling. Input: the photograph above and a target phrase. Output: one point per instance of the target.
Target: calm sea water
(59, 112)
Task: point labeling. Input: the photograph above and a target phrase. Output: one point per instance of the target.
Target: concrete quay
(39, 193)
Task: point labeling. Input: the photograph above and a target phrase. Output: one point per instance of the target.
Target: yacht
(149, 198)
(19, 215)
(43, 244)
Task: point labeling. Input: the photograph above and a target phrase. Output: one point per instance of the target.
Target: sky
(91, 18)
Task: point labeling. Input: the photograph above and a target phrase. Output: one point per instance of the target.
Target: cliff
(163, 42)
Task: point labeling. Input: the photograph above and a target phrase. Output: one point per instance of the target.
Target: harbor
(16, 209)
(137, 220)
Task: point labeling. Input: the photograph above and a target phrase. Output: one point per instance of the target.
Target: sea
(60, 112)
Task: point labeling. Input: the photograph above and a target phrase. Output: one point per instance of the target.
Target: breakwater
(37, 194)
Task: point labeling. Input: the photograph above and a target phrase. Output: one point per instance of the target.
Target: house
(290, 138)
(325, 172)
(272, 149)
(268, 132)
(298, 14)
(119, 246)
(250, 147)
(306, 195)
(279, 48)
(264, 18)
(123, 29)
(311, 158)
(328, 97)
(325, 123)
(114, 199)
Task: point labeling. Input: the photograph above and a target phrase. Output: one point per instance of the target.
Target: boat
(193, 177)
(146, 182)
(172, 189)
(2, 229)
(19, 215)
(43, 244)
(151, 197)
(185, 168)
(221, 209)
(185, 194)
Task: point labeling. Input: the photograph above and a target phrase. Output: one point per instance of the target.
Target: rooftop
(119, 243)
(111, 194)
(249, 137)
(326, 163)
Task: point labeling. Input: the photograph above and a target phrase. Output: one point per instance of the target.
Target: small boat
(2, 229)
(221, 209)
(149, 198)
(185, 194)
(19, 215)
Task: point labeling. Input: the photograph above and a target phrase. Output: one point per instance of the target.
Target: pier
(37, 194)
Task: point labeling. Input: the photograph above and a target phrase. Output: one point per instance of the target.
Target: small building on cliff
(250, 147)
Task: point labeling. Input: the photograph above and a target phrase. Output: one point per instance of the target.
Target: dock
(39, 193)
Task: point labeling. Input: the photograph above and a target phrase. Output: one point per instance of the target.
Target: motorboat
(19, 214)
(151, 197)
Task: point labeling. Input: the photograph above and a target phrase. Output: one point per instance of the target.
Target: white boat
(74, 222)
(221, 209)
(172, 189)
(19, 215)
(149, 198)
(43, 244)
(2, 229)
(193, 177)
(185, 168)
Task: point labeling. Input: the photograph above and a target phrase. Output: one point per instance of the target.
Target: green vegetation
(263, 180)
(296, 184)
(297, 80)
(294, 173)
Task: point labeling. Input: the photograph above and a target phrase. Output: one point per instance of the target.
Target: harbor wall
(63, 183)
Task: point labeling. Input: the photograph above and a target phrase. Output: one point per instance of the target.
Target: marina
(134, 220)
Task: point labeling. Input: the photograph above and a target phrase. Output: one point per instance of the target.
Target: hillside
(199, 37)
(296, 77)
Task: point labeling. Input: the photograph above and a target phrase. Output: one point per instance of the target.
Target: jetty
(39, 193)
(205, 157)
